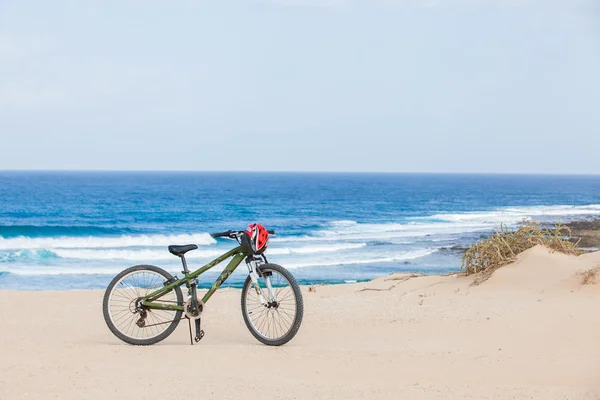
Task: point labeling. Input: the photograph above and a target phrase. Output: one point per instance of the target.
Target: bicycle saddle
(181, 250)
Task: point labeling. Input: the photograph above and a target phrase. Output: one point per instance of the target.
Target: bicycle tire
(299, 304)
(106, 307)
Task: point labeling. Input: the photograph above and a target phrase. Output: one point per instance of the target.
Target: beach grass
(503, 246)
(589, 277)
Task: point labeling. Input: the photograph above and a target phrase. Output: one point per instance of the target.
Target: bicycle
(144, 304)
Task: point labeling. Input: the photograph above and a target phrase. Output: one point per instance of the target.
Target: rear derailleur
(141, 322)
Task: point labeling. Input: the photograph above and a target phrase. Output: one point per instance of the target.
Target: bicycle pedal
(199, 336)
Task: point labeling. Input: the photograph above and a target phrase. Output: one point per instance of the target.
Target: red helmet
(255, 239)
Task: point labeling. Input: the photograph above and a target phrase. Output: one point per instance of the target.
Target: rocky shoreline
(585, 233)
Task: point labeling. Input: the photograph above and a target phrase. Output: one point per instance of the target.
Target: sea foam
(103, 242)
(153, 254)
(401, 256)
(517, 214)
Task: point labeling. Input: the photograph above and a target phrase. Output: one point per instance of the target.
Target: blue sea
(76, 230)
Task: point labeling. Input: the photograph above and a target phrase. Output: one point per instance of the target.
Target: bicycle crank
(189, 309)
(199, 332)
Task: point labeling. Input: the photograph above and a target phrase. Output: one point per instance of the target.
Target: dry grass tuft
(589, 276)
(502, 247)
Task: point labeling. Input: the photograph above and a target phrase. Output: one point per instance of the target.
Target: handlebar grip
(221, 234)
(271, 231)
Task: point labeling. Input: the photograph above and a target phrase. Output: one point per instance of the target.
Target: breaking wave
(103, 242)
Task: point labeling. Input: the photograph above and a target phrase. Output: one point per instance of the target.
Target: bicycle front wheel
(273, 312)
(131, 323)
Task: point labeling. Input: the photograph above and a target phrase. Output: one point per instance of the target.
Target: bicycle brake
(170, 280)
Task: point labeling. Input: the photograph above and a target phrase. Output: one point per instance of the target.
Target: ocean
(76, 230)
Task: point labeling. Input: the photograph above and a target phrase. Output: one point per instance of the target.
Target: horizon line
(295, 172)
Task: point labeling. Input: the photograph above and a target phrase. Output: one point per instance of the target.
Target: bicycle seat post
(185, 268)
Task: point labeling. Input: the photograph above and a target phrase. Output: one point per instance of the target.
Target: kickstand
(199, 332)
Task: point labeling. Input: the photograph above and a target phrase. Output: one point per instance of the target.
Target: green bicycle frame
(238, 255)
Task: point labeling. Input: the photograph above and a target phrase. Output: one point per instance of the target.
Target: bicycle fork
(252, 266)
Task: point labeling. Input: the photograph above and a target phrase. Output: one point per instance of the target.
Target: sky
(301, 85)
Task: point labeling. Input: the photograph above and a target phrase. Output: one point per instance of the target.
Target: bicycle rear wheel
(141, 327)
(276, 320)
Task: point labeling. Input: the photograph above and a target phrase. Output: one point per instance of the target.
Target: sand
(531, 331)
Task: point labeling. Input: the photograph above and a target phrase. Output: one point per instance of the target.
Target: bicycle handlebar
(232, 234)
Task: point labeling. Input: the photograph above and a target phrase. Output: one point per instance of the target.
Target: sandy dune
(531, 331)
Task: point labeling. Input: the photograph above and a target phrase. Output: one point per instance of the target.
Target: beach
(530, 331)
